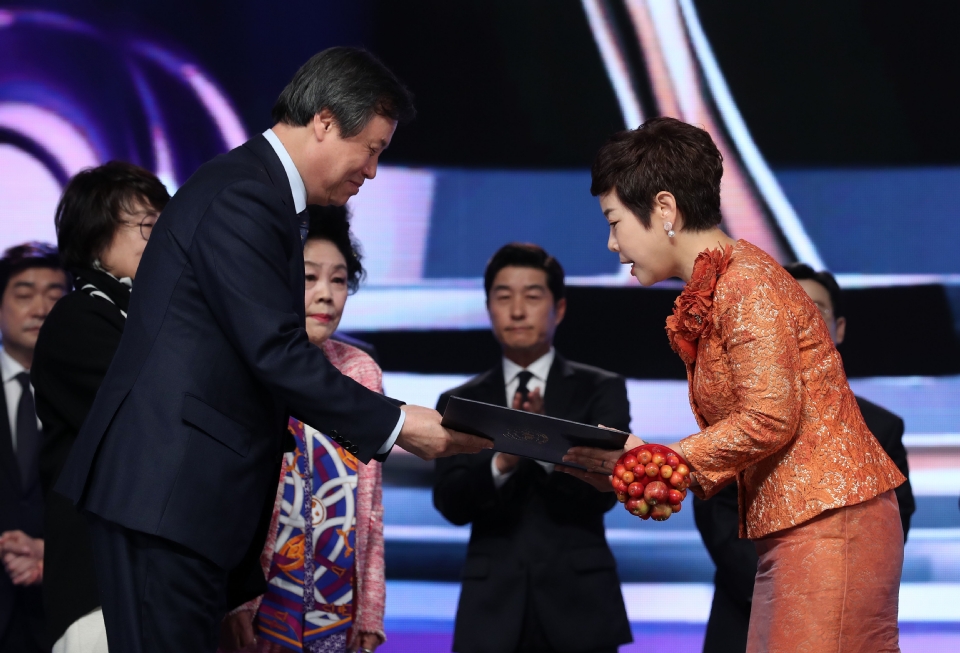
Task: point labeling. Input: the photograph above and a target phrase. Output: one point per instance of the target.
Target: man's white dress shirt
(540, 369)
(299, 204)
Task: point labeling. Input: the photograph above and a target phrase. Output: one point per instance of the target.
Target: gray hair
(350, 82)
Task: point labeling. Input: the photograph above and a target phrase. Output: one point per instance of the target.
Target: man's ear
(841, 329)
(323, 124)
(560, 309)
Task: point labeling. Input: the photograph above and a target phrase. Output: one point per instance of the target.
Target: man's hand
(533, 404)
(423, 436)
(22, 557)
(236, 632)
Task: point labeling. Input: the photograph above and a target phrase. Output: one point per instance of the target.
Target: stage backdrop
(836, 122)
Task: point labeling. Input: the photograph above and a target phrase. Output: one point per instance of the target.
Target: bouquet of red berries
(651, 481)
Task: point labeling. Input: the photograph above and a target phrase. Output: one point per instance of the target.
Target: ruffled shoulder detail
(692, 317)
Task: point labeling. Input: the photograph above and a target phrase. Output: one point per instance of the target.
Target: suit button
(353, 449)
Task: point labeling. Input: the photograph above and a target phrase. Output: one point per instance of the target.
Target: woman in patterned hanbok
(323, 557)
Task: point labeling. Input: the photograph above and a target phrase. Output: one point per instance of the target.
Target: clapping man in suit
(539, 575)
(718, 518)
(31, 282)
(177, 463)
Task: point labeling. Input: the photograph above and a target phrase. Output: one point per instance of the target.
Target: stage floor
(421, 617)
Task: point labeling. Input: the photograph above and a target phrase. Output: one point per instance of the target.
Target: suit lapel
(560, 390)
(491, 390)
(8, 459)
(262, 149)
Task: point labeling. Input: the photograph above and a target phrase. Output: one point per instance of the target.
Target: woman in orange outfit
(769, 393)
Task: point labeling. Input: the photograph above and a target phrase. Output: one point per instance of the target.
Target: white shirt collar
(540, 368)
(9, 368)
(293, 175)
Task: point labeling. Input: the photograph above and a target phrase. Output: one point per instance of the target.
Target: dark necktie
(522, 388)
(304, 220)
(28, 435)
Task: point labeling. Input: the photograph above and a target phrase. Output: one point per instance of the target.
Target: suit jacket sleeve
(888, 429)
(241, 253)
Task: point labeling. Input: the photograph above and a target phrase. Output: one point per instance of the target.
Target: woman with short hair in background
(326, 581)
(103, 222)
(769, 393)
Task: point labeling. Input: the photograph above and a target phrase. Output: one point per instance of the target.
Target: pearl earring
(668, 227)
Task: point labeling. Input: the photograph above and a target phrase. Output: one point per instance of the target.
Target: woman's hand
(369, 642)
(236, 632)
(599, 462)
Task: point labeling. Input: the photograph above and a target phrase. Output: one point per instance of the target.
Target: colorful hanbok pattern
(309, 606)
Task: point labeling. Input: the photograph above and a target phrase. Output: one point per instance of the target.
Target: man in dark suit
(718, 518)
(539, 575)
(177, 461)
(31, 282)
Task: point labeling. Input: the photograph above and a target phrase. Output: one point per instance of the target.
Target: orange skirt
(831, 584)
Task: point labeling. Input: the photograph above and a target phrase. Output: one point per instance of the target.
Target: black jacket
(736, 559)
(21, 508)
(539, 540)
(185, 437)
(74, 350)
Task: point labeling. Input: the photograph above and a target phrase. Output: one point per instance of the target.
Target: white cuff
(499, 478)
(393, 436)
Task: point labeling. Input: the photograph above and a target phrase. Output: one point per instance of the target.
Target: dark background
(519, 84)
(821, 83)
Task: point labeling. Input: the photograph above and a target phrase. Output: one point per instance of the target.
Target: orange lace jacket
(767, 388)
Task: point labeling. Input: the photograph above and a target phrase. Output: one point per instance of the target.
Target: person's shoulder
(468, 388)
(239, 171)
(596, 374)
(78, 308)
(874, 414)
(354, 362)
(239, 162)
(752, 272)
(78, 325)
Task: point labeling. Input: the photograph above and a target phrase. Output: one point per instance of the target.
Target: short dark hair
(333, 223)
(350, 82)
(662, 154)
(23, 257)
(526, 255)
(89, 210)
(801, 271)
